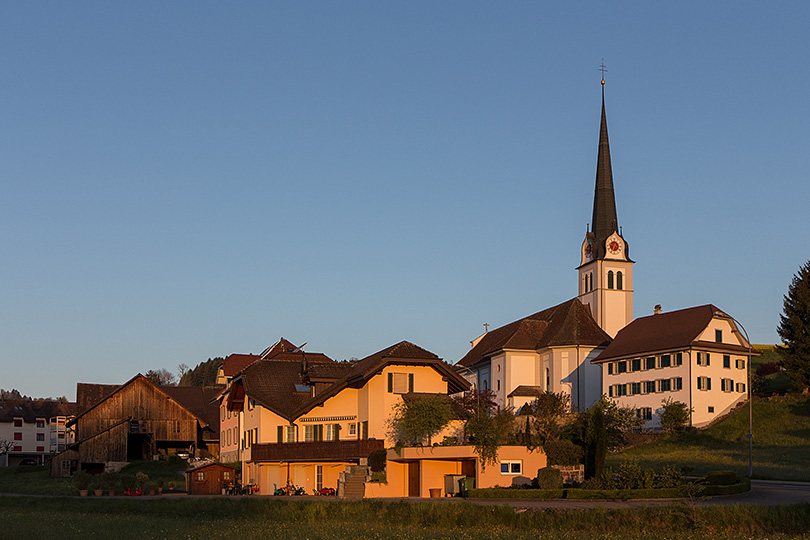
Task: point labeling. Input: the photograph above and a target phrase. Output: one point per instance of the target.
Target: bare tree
(161, 377)
(5, 446)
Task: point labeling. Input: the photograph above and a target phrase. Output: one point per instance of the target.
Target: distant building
(35, 429)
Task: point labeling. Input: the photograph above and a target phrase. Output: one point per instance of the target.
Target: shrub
(768, 368)
(82, 480)
(669, 477)
(549, 478)
(377, 459)
(720, 478)
(563, 452)
(631, 476)
(674, 415)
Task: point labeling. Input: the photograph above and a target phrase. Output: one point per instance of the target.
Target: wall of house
(709, 404)
(29, 438)
(343, 405)
(380, 403)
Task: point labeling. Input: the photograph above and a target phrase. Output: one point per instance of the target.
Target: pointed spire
(605, 220)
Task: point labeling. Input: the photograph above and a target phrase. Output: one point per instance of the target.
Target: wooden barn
(139, 421)
(209, 479)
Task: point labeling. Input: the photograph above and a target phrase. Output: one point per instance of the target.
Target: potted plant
(141, 479)
(160, 485)
(98, 486)
(151, 487)
(171, 485)
(109, 478)
(82, 480)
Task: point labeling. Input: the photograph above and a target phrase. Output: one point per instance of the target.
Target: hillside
(781, 442)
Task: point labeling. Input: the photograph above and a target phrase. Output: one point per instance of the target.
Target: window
(511, 467)
(313, 432)
(18, 435)
(40, 423)
(251, 404)
(666, 360)
(40, 436)
(677, 383)
(332, 432)
(635, 388)
(548, 379)
(741, 387)
(201, 476)
(649, 387)
(704, 383)
(711, 409)
(650, 363)
(727, 385)
(18, 422)
(726, 361)
(223, 413)
(619, 390)
(622, 367)
(718, 336)
(226, 475)
(644, 413)
(703, 359)
(740, 363)
(17, 449)
(235, 435)
(400, 383)
(619, 283)
(636, 364)
(664, 385)
(291, 434)
(353, 429)
(679, 359)
(318, 477)
(610, 368)
(610, 279)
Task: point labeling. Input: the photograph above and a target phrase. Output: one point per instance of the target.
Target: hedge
(743, 486)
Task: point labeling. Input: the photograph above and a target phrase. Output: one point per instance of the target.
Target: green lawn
(253, 517)
(781, 442)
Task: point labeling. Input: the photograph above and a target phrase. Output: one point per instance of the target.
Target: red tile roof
(569, 323)
(665, 331)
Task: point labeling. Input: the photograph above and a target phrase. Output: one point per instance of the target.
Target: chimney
(657, 309)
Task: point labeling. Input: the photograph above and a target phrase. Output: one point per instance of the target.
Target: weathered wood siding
(156, 413)
(108, 446)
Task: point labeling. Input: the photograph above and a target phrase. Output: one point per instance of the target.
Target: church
(591, 346)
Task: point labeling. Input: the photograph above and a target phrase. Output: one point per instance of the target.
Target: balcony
(315, 451)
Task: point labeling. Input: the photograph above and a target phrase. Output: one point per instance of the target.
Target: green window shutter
(337, 432)
(390, 382)
(410, 382)
(280, 434)
(708, 383)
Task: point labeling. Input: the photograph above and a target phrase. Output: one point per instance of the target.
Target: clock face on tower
(587, 250)
(613, 247)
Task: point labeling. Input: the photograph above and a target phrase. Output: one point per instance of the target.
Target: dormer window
(400, 383)
(718, 336)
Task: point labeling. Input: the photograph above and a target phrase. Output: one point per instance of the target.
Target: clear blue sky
(186, 180)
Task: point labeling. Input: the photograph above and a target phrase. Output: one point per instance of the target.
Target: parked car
(28, 462)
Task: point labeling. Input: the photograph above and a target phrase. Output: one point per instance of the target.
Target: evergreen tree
(794, 328)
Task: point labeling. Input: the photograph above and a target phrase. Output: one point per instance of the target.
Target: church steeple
(606, 270)
(605, 221)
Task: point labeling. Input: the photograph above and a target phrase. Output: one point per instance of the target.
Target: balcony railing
(315, 451)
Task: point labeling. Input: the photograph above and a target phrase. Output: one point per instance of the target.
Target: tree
(416, 421)
(674, 415)
(161, 377)
(488, 430)
(794, 328)
(205, 374)
(601, 428)
(5, 446)
(548, 411)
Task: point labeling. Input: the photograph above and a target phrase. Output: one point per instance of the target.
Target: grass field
(247, 518)
(780, 450)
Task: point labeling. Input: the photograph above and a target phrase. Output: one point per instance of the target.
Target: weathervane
(603, 69)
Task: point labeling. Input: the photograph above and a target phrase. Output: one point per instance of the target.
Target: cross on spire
(604, 70)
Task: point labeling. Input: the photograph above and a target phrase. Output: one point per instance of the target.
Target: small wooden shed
(209, 479)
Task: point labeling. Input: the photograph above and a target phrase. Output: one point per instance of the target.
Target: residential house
(697, 356)
(139, 420)
(33, 429)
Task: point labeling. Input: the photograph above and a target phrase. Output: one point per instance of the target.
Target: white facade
(606, 285)
(710, 375)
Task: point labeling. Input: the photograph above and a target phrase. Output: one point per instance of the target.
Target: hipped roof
(569, 323)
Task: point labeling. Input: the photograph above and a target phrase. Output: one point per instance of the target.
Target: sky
(186, 180)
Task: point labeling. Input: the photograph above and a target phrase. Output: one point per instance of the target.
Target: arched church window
(590, 280)
(619, 283)
(610, 279)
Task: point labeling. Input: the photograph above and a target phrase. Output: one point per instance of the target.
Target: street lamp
(750, 396)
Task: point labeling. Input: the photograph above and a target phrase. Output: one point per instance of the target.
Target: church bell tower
(605, 270)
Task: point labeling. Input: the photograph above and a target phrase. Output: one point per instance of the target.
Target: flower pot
(111, 493)
(435, 493)
(98, 492)
(83, 492)
(151, 492)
